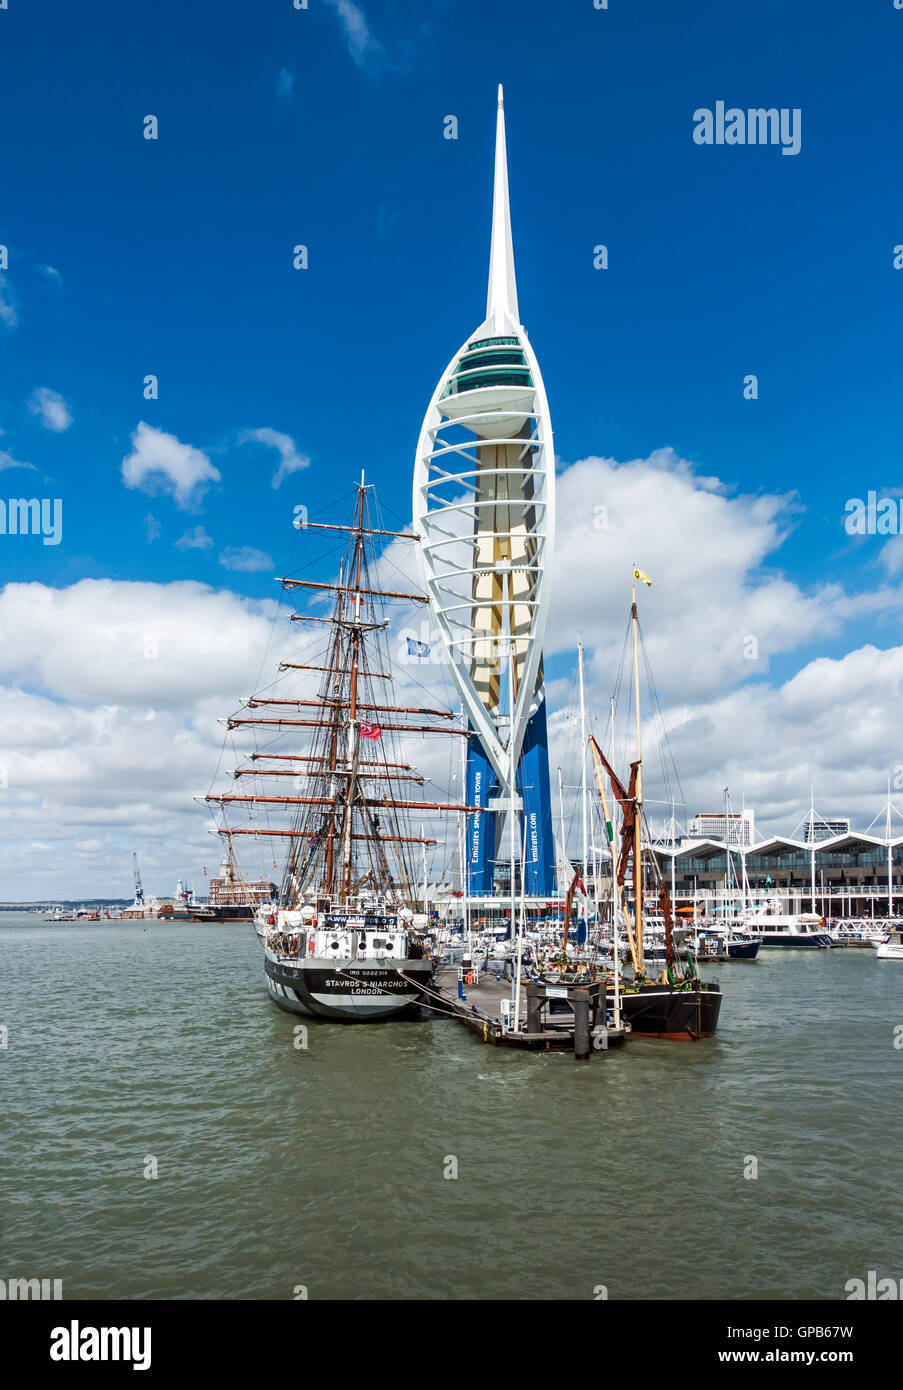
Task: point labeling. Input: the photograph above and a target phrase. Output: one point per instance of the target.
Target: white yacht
(892, 947)
(788, 929)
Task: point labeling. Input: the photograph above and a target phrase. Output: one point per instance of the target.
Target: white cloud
(110, 695)
(110, 692)
(360, 41)
(891, 555)
(713, 559)
(290, 461)
(245, 559)
(52, 274)
(122, 643)
(285, 83)
(194, 539)
(152, 528)
(50, 408)
(160, 462)
(7, 461)
(8, 315)
(710, 557)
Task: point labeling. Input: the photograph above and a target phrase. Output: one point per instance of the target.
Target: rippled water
(281, 1167)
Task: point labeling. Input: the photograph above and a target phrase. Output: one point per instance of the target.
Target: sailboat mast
(888, 830)
(638, 802)
(583, 786)
(812, 851)
(465, 850)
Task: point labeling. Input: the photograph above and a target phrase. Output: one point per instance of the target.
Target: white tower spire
(501, 301)
(485, 558)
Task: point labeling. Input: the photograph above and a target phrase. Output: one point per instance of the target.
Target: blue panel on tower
(480, 826)
(533, 784)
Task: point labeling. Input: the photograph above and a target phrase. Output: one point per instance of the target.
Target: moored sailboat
(678, 1004)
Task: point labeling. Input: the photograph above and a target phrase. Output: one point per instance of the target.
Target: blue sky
(325, 127)
(175, 255)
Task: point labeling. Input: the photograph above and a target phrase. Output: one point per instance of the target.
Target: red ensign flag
(370, 731)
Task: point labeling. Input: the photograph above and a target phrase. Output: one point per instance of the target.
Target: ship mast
(342, 813)
(354, 735)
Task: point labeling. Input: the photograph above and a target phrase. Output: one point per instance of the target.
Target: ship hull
(226, 912)
(662, 1011)
(742, 950)
(353, 993)
(791, 942)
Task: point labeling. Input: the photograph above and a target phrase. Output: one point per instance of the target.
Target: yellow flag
(643, 578)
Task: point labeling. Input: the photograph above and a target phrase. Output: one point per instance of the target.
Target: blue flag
(417, 648)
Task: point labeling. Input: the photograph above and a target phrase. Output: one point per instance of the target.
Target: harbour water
(322, 1169)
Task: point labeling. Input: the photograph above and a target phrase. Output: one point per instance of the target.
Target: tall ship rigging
(345, 938)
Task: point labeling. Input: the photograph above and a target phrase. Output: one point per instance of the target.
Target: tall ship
(345, 937)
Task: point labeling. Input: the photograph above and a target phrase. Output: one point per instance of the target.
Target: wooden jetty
(554, 1016)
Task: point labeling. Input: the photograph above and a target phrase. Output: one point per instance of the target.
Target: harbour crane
(139, 891)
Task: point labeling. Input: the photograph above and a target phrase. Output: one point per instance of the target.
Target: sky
(171, 505)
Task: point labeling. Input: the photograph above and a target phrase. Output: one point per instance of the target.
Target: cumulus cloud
(110, 695)
(110, 692)
(50, 408)
(160, 462)
(8, 315)
(711, 557)
(245, 559)
(195, 539)
(115, 642)
(290, 461)
(720, 613)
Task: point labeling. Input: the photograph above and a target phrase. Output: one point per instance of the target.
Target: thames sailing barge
(677, 1004)
(346, 937)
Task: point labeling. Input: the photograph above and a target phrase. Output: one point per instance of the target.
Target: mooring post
(534, 1007)
(580, 1003)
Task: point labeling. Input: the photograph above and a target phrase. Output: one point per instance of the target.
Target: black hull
(742, 950)
(354, 994)
(231, 912)
(663, 1011)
